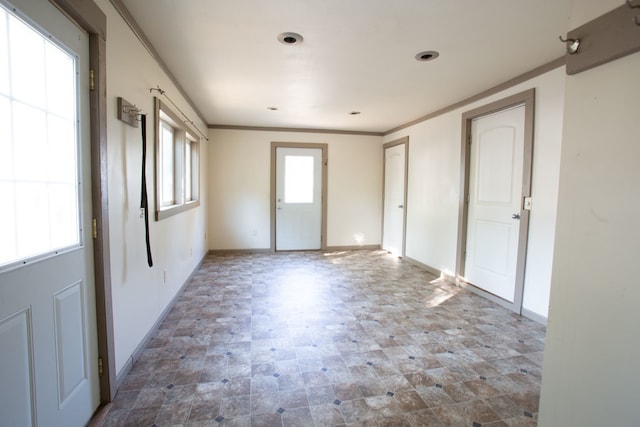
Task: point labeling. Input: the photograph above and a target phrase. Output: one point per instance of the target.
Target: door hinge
(95, 228)
(92, 82)
(469, 139)
(100, 368)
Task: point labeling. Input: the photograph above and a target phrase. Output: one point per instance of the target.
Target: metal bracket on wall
(632, 5)
(609, 37)
(128, 112)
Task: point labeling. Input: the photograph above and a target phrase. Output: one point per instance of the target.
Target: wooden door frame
(91, 19)
(325, 152)
(527, 99)
(401, 141)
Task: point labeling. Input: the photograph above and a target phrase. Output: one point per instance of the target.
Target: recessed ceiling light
(290, 38)
(354, 113)
(272, 108)
(427, 55)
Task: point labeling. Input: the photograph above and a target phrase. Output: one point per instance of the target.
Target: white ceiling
(357, 55)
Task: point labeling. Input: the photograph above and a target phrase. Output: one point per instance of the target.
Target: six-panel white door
(298, 198)
(394, 203)
(48, 339)
(495, 197)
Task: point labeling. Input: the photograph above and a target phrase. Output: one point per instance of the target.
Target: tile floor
(328, 339)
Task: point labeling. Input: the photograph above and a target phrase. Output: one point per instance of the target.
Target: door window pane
(38, 144)
(298, 179)
(27, 59)
(4, 54)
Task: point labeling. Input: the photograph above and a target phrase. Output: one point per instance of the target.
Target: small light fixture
(354, 113)
(272, 108)
(290, 38)
(427, 55)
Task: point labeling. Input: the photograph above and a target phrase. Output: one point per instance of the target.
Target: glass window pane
(60, 82)
(167, 165)
(29, 143)
(63, 220)
(4, 53)
(27, 63)
(187, 171)
(38, 145)
(32, 218)
(298, 179)
(61, 151)
(6, 146)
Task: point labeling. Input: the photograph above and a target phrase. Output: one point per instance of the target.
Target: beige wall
(434, 186)
(239, 165)
(591, 375)
(140, 293)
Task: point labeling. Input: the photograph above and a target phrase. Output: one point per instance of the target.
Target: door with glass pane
(48, 347)
(298, 198)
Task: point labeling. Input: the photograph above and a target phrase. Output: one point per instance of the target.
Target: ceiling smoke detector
(290, 38)
(427, 55)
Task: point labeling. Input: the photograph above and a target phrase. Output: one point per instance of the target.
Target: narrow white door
(298, 198)
(495, 195)
(394, 203)
(48, 343)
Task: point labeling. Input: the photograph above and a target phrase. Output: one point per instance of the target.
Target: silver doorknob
(401, 206)
(515, 216)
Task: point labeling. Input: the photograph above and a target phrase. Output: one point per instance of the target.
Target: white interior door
(394, 200)
(495, 197)
(48, 342)
(298, 198)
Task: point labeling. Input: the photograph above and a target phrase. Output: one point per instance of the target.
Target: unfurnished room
(319, 213)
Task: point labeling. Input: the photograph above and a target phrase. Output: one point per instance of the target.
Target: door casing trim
(526, 98)
(400, 141)
(325, 153)
(88, 16)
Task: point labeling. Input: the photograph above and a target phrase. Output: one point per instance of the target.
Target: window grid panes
(38, 144)
(177, 164)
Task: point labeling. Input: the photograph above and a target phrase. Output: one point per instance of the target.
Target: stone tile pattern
(356, 338)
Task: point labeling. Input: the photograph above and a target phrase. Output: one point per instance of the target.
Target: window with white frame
(177, 164)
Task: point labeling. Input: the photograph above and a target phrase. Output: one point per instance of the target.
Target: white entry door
(495, 197)
(48, 342)
(394, 200)
(298, 198)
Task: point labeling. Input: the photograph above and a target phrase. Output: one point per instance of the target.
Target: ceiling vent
(427, 55)
(290, 38)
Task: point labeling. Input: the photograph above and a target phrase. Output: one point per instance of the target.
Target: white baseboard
(534, 316)
(526, 313)
(120, 376)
